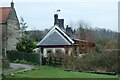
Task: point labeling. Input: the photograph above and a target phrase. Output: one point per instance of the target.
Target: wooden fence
(33, 58)
(52, 61)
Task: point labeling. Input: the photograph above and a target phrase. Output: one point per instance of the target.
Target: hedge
(29, 57)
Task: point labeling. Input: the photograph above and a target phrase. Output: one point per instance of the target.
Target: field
(52, 72)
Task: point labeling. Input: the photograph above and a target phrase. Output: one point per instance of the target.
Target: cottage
(9, 28)
(55, 40)
(64, 40)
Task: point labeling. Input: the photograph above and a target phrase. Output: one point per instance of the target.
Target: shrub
(23, 61)
(104, 62)
(25, 45)
(17, 61)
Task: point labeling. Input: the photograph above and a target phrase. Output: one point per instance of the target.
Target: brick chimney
(12, 4)
(55, 19)
(61, 23)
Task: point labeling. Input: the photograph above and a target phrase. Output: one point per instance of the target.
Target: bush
(16, 61)
(23, 61)
(25, 45)
(104, 62)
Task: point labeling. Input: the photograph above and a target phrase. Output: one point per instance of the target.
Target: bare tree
(23, 26)
(83, 29)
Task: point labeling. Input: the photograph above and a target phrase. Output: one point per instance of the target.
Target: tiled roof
(4, 12)
(55, 37)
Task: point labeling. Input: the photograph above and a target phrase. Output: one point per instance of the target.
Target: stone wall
(12, 30)
(0, 46)
(0, 39)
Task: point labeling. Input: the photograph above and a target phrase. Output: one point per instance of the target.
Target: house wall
(3, 34)
(0, 42)
(13, 31)
(1, 45)
(45, 51)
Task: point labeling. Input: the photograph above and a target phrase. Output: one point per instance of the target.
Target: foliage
(23, 26)
(16, 61)
(83, 30)
(35, 35)
(17, 57)
(102, 42)
(21, 61)
(112, 44)
(25, 45)
(104, 62)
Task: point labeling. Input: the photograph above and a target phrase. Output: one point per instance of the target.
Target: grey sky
(39, 13)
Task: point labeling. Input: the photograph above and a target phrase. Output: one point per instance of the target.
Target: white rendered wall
(53, 51)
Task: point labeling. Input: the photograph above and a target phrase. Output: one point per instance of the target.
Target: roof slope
(55, 37)
(4, 12)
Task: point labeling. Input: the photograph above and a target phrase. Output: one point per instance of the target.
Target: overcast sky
(39, 13)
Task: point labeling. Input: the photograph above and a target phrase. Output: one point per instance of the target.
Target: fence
(52, 61)
(33, 58)
(29, 57)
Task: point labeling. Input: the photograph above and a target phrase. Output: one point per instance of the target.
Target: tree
(35, 35)
(23, 26)
(25, 45)
(84, 30)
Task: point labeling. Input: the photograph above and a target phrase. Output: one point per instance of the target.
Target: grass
(52, 72)
(0, 69)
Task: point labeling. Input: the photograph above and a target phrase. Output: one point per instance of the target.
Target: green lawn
(0, 69)
(52, 72)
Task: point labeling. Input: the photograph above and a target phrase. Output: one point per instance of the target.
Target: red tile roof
(4, 12)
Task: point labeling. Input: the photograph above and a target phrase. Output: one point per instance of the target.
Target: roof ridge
(62, 33)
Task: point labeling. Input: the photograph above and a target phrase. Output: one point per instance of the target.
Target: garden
(104, 65)
(91, 65)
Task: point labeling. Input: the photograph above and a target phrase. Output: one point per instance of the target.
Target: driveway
(23, 67)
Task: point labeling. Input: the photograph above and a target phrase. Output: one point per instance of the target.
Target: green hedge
(29, 57)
